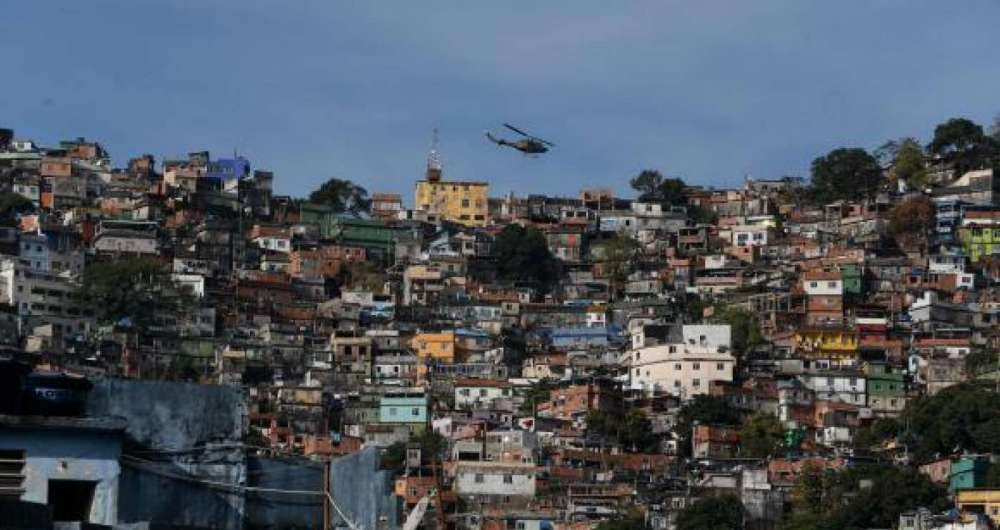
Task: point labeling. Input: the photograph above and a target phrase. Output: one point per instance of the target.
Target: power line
(148, 465)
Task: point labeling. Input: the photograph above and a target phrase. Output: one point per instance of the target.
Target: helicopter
(529, 145)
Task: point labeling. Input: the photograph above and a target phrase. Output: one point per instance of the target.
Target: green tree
(744, 327)
(628, 522)
(992, 477)
(809, 491)
(912, 220)
(343, 196)
(633, 431)
(980, 361)
(761, 436)
(909, 164)
(879, 431)
(654, 187)
(523, 256)
(136, 289)
(724, 512)
(647, 183)
(861, 497)
(12, 204)
(701, 215)
(963, 145)
(957, 418)
(846, 174)
(705, 409)
(537, 393)
(432, 447)
(617, 256)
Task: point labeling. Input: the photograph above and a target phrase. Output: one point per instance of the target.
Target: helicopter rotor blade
(515, 129)
(546, 142)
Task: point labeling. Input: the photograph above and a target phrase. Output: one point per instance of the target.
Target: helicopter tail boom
(494, 139)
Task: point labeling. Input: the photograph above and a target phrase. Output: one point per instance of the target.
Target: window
(677, 366)
(11, 473)
(508, 479)
(415, 412)
(465, 203)
(813, 284)
(479, 478)
(720, 366)
(697, 366)
(696, 382)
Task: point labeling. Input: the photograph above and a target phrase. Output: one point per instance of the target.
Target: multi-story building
(979, 233)
(480, 393)
(683, 370)
(438, 347)
(825, 294)
(463, 202)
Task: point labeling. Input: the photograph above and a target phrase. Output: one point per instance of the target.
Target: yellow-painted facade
(827, 343)
(462, 202)
(985, 501)
(437, 346)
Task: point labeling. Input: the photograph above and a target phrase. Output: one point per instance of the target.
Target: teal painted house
(968, 472)
(404, 409)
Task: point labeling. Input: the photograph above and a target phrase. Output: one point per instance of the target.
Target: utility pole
(326, 494)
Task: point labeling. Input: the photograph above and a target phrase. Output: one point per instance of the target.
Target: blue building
(70, 464)
(404, 409)
(582, 337)
(230, 171)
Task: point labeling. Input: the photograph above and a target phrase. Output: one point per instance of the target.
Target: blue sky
(705, 90)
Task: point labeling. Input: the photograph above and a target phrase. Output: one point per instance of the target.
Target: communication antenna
(434, 159)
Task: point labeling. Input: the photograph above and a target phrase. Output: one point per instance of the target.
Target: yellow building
(437, 346)
(462, 202)
(985, 501)
(823, 343)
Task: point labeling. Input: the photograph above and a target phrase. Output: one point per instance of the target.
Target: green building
(979, 241)
(378, 238)
(968, 472)
(886, 389)
(851, 274)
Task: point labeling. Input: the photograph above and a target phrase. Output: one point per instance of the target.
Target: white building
(480, 393)
(751, 236)
(678, 369)
(495, 481)
(275, 243)
(846, 387)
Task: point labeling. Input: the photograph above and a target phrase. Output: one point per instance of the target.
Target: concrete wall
(172, 416)
(156, 493)
(282, 510)
(65, 455)
(183, 435)
(364, 491)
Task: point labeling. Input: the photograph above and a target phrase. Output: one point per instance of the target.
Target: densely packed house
(519, 362)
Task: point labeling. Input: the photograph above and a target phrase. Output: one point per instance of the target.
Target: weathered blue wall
(171, 416)
(151, 493)
(363, 490)
(283, 510)
(179, 436)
